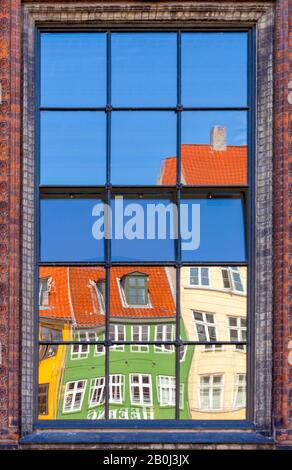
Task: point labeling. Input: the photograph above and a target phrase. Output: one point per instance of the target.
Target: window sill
(134, 436)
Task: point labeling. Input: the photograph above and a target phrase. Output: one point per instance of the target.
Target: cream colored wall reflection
(217, 384)
(213, 308)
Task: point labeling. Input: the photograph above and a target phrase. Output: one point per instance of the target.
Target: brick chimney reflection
(218, 138)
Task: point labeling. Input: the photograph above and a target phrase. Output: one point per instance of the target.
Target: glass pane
(201, 332)
(214, 69)
(234, 336)
(143, 229)
(74, 386)
(140, 143)
(158, 314)
(194, 276)
(214, 149)
(142, 384)
(213, 229)
(73, 148)
(73, 69)
(144, 69)
(211, 381)
(232, 321)
(68, 231)
(75, 307)
(211, 309)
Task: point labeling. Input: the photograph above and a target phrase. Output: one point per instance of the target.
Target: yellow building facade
(51, 366)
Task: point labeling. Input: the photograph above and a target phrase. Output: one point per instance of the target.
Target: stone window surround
(160, 15)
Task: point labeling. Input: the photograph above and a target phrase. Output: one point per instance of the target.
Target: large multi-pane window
(97, 392)
(74, 395)
(199, 277)
(144, 169)
(211, 392)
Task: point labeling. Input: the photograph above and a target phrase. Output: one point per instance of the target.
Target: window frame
(164, 348)
(127, 287)
(230, 271)
(188, 191)
(120, 386)
(140, 348)
(140, 386)
(92, 388)
(46, 351)
(171, 385)
(213, 346)
(239, 329)
(237, 386)
(43, 292)
(82, 346)
(210, 387)
(116, 327)
(159, 386)
(200, 285)
(99, 294)
(74, 392)
(237, 26)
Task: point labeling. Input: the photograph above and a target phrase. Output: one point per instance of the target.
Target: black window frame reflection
(177, 191)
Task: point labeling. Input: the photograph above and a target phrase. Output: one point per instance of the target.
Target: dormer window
(44, 289)
(135, 289)
(100, 292)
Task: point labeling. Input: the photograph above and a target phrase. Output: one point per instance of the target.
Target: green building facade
(141, 379)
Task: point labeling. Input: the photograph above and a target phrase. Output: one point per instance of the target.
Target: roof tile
(73, 297)
(202, 165)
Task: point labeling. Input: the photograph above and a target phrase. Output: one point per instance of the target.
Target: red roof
(72, 296)
(202, 165)
(59, 306)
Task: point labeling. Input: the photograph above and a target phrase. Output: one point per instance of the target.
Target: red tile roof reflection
(72, 297)
(201, 164)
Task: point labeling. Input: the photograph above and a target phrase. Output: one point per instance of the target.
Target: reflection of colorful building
(55, 325)
(141, 377)
(213, 300)
(213, 308)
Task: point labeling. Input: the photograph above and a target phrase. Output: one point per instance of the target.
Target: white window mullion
(141, 389)
(166, 390)
(117, 333)
(140, 333)
(116, 388)
(240, 391)
(199, 277)
(210, 385)
(74, 395)
(97, 392)
(164, 333)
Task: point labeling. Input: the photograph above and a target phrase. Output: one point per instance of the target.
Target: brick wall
(10, 190)
(282, 223)
(10, 220)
